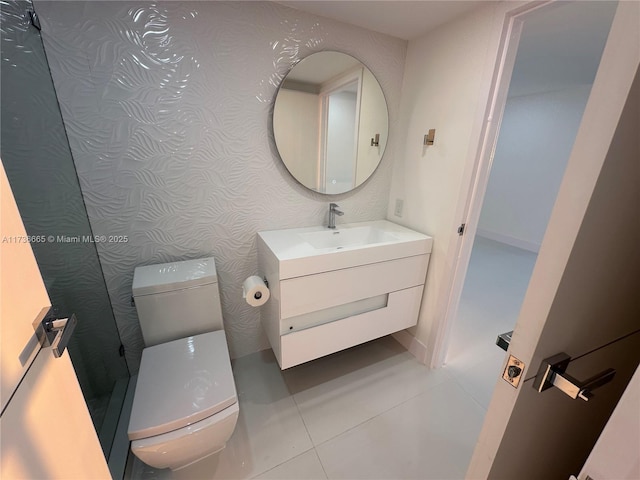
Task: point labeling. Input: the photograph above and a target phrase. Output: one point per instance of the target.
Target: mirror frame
(311, 100)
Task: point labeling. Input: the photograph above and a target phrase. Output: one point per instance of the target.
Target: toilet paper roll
(254, 291)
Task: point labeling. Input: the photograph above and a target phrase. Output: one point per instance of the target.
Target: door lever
(552, 374)
(55, 332)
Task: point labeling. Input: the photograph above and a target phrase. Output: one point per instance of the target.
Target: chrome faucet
(333, 211)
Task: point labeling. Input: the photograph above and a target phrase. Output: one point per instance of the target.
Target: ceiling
(321, 66)
(398, 18)
(561, 46)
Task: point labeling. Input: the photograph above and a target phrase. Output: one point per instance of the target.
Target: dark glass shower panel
(37, 158)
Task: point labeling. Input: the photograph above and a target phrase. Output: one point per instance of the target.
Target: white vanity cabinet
(331, 290)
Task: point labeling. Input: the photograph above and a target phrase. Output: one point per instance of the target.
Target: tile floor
(496, 282)
(370, 412)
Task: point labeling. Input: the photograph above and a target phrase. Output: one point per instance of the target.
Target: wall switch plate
(399, 204)
(513, 371)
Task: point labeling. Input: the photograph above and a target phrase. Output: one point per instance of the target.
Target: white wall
(40, 168)
(372, 120)
(536, 137)
(296, 118)
(448, 80)
(168, 109)
(446, 87)
(341, 147)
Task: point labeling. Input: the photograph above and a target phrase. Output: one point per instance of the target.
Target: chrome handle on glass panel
(552, 374)
(55, 332)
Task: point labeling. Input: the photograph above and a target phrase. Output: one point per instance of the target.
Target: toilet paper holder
(255, 290)
(266, 282)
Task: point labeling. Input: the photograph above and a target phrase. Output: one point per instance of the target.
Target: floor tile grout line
(293, 397)
(427, 382)
(375, 416)
(463, 364)
(469, 394)
(283, 462)
(324, 470)
(446, 373)
(385, 411)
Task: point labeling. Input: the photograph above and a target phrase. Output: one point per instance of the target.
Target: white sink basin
(347, 237)
(305, 251)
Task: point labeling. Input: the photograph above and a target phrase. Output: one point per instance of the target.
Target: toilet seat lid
(181, 382)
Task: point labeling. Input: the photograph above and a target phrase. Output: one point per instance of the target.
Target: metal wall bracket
(55, 332)
(429, 138)
(552, 374)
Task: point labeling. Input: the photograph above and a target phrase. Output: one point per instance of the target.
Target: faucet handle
(333, 211)
(333, 208)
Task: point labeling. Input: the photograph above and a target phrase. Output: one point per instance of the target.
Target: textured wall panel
(168, 108)
(39, 165)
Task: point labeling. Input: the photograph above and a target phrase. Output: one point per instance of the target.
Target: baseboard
(414, 346)
(509, 240)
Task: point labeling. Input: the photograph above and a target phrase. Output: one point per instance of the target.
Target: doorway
(555, 65)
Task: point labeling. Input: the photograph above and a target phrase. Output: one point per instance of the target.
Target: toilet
(185, 406)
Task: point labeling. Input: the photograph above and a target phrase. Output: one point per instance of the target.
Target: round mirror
(330, 122)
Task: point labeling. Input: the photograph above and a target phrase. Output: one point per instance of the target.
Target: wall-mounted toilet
(185, 406)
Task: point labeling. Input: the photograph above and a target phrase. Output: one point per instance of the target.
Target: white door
(583, 296)
(45, 424)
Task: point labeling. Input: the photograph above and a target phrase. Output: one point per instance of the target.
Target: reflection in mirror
(330, 122)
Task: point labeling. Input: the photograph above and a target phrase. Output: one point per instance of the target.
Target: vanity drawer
(324, 290)
(401, 312)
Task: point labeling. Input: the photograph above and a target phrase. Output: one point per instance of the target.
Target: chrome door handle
(504, 339)
(552, 374)
(55, 332)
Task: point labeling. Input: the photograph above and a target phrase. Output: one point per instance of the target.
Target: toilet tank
(177, 300)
